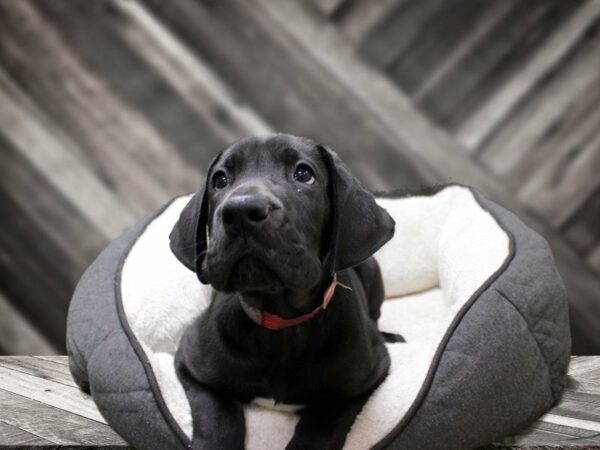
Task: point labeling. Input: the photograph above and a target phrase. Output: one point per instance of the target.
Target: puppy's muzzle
(249, 210)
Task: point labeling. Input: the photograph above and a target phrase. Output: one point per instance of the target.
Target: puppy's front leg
(324, 426)
(218, 419)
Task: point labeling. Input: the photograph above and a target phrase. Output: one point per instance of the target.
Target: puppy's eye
(304, 174)
(220, 180)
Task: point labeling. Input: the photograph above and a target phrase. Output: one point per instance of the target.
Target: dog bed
(474, 292)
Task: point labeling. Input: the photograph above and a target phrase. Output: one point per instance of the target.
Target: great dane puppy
(284, 234)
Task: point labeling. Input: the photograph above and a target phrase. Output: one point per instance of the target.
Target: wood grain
(42, 408)
(493, 60)
(110, 108)
(53, 423)
(299, 96)
(486, 118)
(10, 433)
(117, 139)
(361, 16)
(397, 30)
(40, 368)
(50, 393)
(521, 133)
(430, 146)
(582, 229)
(574, 422)
(594, 259)
(17, 335)
(438, 37)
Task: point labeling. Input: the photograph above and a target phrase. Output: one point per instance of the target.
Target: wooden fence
(109, 108)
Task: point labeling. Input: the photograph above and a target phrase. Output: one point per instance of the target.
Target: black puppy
(279, 224)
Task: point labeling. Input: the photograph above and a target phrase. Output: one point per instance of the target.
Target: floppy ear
(359, 225)
(189, 235)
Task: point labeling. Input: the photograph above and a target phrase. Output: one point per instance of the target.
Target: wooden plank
(437, 38)
(586, 386)
(594, 259)
(56, 359)
(191, 77)
(119, 141)
(573, 408)
(54, 423)
(23, 259)
(553, 437)
(360, 17)
(489, 64)
(396, 31)
(572, 422)
(49, 393)
(54, 218)
(422, 141)
(39, 368)
(299, 97)
(9, 433)
(586, 401)
(572, 127)
(449, 62)
(580, 365)
(582, 230)
(522, 132)
(17, 335)
(95, 34)
(565, 183)
(486, 118)
(329, 7)
(60, 165)
(39, 228)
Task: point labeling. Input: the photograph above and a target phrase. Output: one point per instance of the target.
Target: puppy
(284, 234)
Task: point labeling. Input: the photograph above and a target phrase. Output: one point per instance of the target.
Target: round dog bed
(472, 290)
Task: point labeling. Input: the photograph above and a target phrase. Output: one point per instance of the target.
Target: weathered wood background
(109, 108)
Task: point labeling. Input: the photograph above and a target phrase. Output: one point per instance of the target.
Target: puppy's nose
(246, 210)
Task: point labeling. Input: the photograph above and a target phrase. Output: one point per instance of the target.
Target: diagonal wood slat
(112, 137)
(494, 59)
(40, 368)
(362, 15)
(53, 423)
(509, 147)
(430, 146)
(287, 87)
(486, 118)
(109, 108)
(52, 157)
(49, 393)
(10, 433)
(191, 77)
(17, 335)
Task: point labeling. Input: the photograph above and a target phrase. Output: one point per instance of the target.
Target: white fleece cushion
(445, 247)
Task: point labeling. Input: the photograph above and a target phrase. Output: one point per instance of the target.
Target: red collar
(275, 322)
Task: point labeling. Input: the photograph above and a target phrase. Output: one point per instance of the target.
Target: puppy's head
(277, 212)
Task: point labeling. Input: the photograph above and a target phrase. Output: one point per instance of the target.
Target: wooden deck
(41, 407)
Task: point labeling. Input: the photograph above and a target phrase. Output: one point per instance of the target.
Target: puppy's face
(268, 215)
(277, 212)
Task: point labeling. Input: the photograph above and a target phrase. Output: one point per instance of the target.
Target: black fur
(275, 242)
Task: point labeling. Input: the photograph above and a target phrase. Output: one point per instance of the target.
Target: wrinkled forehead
(264, 152)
